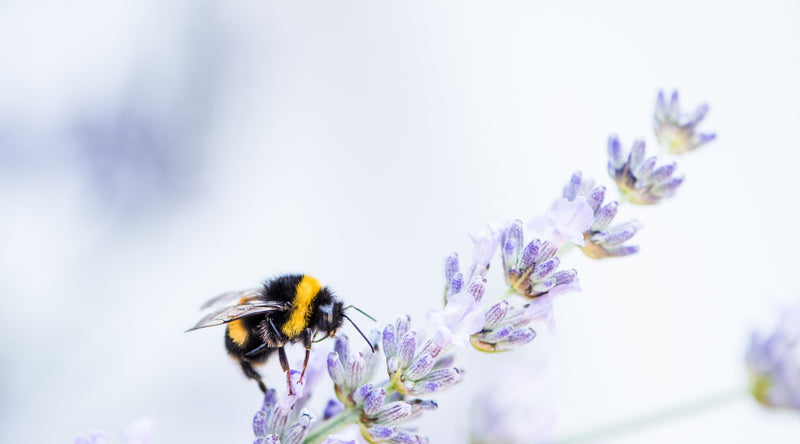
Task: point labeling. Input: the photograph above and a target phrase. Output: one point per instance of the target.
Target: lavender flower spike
(601, 239)
(638, 179)
(676, 132)
(531, 270)
(773, 361)
(282, 419)
(417, 369)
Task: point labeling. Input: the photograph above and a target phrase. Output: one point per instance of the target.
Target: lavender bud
(605, 216)
(572, 188)
(546, 251)
(476, 288)
(389, 341)
(645, 168)
(342, 347)
(393, 413)
(529, 253)
(616, 159)
(668, 187)
(498, 335)
(456, 283)
(335, 369)
(362, 393)
(662, 173)
(393, 365)
(495, 314)
(298, 431)
(543, 269)
(374, 401)
(260, 424)
(451, 267)
(513, 243)
(405, 352)
(355, 370)
(637, 154)
(401, 325)
(420, 367)
(521, 337)
(381, 432)
(405, 438)
(595, 198)
(277, 421)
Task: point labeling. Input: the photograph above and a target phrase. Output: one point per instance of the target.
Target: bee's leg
(286, 369)
(307, 340)
(251, 373)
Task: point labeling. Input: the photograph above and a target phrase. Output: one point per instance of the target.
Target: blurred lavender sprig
(773, 361)
(676, 131)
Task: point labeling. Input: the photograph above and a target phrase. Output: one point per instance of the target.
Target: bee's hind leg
(251, 373)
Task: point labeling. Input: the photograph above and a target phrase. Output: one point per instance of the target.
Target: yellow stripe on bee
(237, 332)
(306, 291)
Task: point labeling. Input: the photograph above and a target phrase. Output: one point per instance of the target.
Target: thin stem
(669, 414)
(347, 417)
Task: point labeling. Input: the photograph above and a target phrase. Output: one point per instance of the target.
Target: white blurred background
(154, 154)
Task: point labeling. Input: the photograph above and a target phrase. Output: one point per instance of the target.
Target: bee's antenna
(360, 311)
(360, 332)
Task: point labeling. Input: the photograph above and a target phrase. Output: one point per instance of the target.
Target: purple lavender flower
(416, 369)
(283, 419)
(382, 418)
(773, 361)
(531, 269)
(461, 316)
(141, 431)
(506, 327)
(349, 370)
(638, 179)
(601, 239)
(676, 131)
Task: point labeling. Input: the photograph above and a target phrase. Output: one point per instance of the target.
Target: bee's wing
(228, 314)
(232, 296)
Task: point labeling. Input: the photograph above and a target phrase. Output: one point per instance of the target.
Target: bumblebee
(285, 310)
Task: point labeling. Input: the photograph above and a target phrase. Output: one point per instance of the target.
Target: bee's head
(330, 314)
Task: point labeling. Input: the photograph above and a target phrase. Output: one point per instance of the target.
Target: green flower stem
(348, 416)
(669, 414)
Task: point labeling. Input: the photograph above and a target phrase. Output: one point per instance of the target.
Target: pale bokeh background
(153, 155)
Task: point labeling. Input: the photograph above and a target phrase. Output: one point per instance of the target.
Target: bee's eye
(327, 309)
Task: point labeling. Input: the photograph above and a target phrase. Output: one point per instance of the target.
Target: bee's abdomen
(241, 338)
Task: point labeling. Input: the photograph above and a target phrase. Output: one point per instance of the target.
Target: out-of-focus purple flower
(94, 437)
(531, 269)
(141, 431)
(340, 438)
(601, 238)
(461, 317)
(638, 179)
(773, 361)
(510, 414)
(566, 221)
(676, 131)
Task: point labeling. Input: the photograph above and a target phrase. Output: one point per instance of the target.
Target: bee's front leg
(307, 340)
